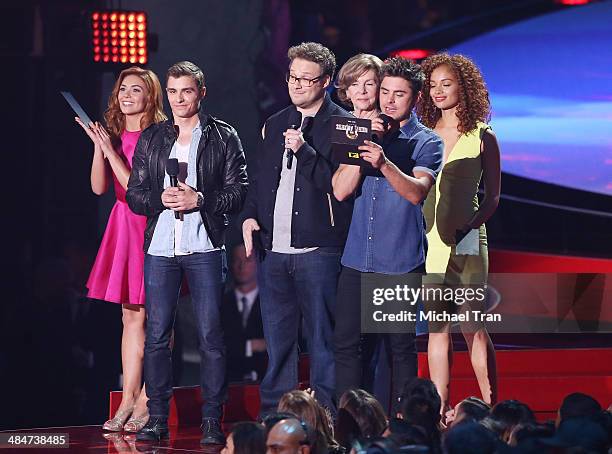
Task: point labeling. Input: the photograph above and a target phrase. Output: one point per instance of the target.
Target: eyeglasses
(303, 81)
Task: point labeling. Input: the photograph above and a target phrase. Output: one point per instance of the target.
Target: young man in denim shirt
(387, 232)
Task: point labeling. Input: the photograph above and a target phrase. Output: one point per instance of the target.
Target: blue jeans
(292, 286)
(205, 274)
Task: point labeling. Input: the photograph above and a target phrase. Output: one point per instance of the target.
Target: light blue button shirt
(194, 237)
(387, 232)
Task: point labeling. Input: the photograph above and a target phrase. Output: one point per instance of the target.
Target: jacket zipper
(331, 211)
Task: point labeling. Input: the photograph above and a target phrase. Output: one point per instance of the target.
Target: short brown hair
(353, 69)
(186, 68)
(406, 69)
(316, 53)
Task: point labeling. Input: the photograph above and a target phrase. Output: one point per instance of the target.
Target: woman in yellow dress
(455, 104)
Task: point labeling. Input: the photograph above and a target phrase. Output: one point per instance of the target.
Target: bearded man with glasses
(298, 228)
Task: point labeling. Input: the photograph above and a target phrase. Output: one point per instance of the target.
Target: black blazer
(318, 218)
(238, 364)
(221, 175)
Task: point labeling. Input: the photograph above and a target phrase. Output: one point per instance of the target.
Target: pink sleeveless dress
(117, 274)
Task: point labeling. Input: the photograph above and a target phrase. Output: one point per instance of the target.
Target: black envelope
(347, 134)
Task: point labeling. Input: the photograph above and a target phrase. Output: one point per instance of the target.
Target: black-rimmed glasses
(303, 81)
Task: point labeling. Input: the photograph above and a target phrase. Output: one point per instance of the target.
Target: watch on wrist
(200, 201)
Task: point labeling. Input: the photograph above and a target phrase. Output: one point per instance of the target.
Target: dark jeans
(353, 350)
(205, 274)
(292, 286)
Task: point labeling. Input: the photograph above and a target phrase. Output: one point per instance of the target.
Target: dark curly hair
(474, 105)
(406, 69)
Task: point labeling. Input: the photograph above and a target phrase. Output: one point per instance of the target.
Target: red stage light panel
(412, 54)
(128, 33)
(573, 2)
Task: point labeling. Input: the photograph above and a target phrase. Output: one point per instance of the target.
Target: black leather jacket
(221, 178)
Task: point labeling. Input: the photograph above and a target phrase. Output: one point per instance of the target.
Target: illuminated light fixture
(412, 54)
(119, 37)
(573, 2)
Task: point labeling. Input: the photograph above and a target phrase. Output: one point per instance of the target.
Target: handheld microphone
(172, 169)
(295, 120)
(388, 124)
(386, 119)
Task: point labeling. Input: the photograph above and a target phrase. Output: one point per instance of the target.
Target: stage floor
(92, 439)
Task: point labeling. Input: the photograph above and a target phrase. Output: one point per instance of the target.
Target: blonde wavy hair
(153, 111)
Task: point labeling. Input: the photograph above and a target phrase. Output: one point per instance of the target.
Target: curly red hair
(474, 105)
(153, 111)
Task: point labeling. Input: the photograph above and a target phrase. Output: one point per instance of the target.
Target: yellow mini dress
(451, 203)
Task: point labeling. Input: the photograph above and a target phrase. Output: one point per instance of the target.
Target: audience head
(578, 434)
(469, 438)
(406, 434)
(506, 415)
(359, 80)
(305, 407)
(271, 419)
(378, 445)
(577, 405)
(365, 410)
(246, 438)
(527, 436)
(293, 436)
(472, 409)
(420, 402)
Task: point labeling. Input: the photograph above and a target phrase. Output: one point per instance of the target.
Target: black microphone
(386, 119)
(387, 123)
(295, 120)
(172, 169)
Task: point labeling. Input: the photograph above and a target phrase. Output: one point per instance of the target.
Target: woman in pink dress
(117, 274)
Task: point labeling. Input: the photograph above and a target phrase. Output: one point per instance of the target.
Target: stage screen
(550, 80)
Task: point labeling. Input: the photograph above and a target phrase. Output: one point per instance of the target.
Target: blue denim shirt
(387, 232)
(194, 236)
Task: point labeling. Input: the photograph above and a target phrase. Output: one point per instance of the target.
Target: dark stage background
(60, 355)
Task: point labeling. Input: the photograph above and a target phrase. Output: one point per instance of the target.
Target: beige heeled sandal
(136, 423)
(116, 424)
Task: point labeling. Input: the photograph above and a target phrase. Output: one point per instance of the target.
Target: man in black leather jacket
(184, 236)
